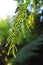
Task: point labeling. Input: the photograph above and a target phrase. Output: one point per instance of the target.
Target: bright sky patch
(7, 7)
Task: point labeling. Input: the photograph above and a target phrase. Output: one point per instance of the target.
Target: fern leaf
(27, 51)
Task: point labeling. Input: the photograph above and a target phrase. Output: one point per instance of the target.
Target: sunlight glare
(7, 7)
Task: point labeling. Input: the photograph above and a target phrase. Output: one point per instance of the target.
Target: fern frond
(27, 51)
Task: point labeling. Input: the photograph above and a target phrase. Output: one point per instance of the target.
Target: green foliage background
(26, 33)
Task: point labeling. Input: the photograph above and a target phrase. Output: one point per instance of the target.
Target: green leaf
(27, 51)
